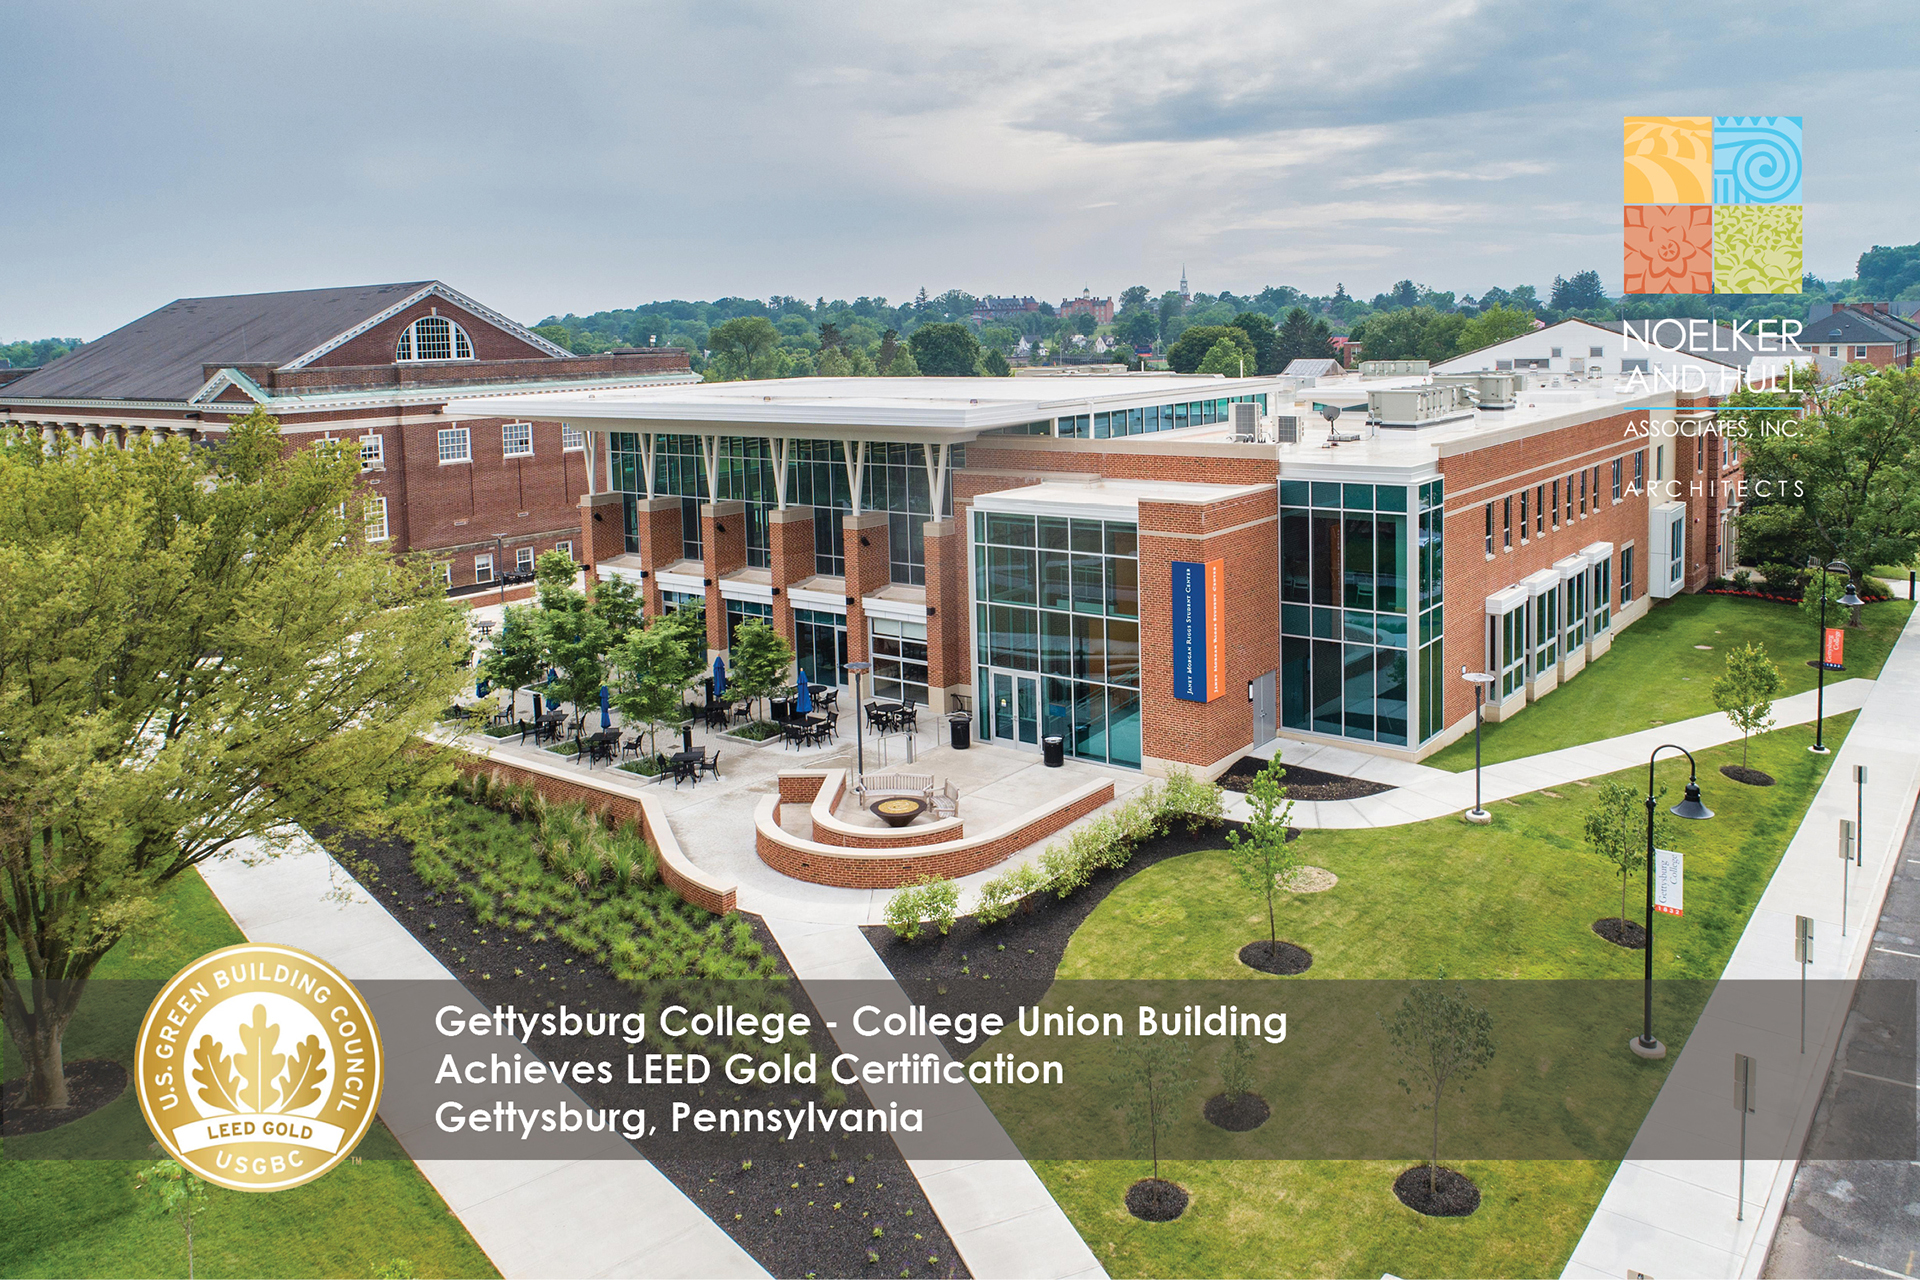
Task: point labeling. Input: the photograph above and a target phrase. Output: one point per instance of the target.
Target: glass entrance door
(1016, 709)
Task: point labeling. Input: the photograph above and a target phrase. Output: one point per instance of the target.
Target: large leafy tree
(762, 659)
(200, 649)
(574, 636)
(1260, 331)
(1843, 482)
(1582, 293)
(945, 350)
(1192, 346)
(1300, 337)
(654, 667)
(744, 347)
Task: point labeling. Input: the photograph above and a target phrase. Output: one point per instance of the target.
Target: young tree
(170, 1191)
(1262, 856)
(1150, 1075)
(761, 660)
(655, 667)
(618, 603)
(574, 638)
(1746, 692)
(200, 648)
(945, 350)
(1616, 830)
(515, 659)
(1226, 358)
(1441, 1038)
(1236, 1068)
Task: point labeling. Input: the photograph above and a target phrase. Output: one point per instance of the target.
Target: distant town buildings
(1880, 333)
(1101, 309)
(991, 309)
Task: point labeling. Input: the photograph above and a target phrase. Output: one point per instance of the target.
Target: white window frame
(373, 452)
(483, 569)
(565, 547)
(459, 342)
(523, 560)
(376, 504)
(455, 445)
(572, 439)
(516, 439)
(446, 572)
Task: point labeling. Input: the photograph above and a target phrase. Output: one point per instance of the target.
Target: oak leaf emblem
(258, 1079)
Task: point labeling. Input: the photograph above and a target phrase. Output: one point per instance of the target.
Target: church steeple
(1186, 294)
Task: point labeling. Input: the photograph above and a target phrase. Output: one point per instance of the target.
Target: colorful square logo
(1712, 204)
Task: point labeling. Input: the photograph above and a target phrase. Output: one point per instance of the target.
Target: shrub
(1742, 579)
(1000, 895)
(1065, 873)
(933, 900)
(1187, 799)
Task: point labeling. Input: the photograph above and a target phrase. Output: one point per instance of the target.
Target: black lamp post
(858, 669)
(1849, 600)
(1479, 680)
(1644, 1044)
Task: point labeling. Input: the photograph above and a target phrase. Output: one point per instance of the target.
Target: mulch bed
(91, 1084)
(1622, 933)
(1242, 1113)
(1283, 957)
(1012, 963)
(1752, 777)
(806, 1237)
(1301, 783)
(1156, 1200)
(1455, 1197)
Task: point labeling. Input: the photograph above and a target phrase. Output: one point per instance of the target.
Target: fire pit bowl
(898, 811)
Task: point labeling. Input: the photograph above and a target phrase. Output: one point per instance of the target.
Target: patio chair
(946, 801)
(631, 747)
(709, 765)
(792, 734)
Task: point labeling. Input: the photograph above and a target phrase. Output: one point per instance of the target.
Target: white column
(855, 452)
(779, 447)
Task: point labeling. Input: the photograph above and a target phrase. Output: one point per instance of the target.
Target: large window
(1546, 632)
(373, 452)
(456, 445)
(376, 519)
(738, 611)
(1507, 647)
(1151, 418)
(572, 437)
(1057, 632)
(1345, 607)
(516, 440)
(1626, 576)
(900, 660)
(820, 645)
(433, 338)
(1603, 596)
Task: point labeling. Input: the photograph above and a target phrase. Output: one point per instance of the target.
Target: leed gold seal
(259, 1067)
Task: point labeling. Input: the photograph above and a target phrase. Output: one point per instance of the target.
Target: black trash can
(960, 731)
(1053, 751)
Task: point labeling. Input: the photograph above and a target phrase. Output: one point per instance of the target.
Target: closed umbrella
(606, 720)
(720, 676)
(804, 703)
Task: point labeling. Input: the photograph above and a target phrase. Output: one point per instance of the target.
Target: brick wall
(949, 658)
(1243, 532)
(723, 548)
(603, 533)
(790, 556)
(868, 570)
(847, 869)
(658, 521)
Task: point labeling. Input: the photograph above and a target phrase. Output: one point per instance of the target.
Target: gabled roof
(1854, 327)
(1318, 368)
(163, 355)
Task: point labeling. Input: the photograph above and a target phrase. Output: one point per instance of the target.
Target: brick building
(1101, 309)
(1164, 569)
(374, 364)
(1882, 334)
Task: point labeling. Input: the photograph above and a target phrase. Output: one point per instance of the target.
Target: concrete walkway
(1677, 1218)
(527, 1215)
(1422, 792)
(1000, 1215)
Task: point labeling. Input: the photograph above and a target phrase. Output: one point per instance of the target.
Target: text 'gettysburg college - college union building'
(1159, 569)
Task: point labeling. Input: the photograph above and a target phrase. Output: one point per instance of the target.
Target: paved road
(1852, 1218)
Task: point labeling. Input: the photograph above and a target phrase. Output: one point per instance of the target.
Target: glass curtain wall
(1057, 622)
(820, 645)
(1344, 610)
(899, 652)
(895, 481)
(1152, 418)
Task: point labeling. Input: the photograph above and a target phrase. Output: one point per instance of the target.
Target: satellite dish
(1330, 412)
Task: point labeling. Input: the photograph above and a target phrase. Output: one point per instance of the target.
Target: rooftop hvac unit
(1393, 368)
(1419, 406)
(1488, 390)
(1287, 428)
(1246, 421)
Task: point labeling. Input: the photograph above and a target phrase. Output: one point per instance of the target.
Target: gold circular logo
(259, 1067)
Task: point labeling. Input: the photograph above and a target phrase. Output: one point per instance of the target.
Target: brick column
(603, 528)
(867, 572)
(658, 521)
(949, 660)
(790, 548)
(723, 549)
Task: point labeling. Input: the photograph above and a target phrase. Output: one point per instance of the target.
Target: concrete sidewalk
(1422, 792)
(1000, 1215)
(526, 1215)
(1677, 1218)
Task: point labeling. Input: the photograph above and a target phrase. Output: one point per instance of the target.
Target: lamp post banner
(1834, 653)
(1669, 873)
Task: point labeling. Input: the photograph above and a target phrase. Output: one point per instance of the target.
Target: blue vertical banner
(1190, 630)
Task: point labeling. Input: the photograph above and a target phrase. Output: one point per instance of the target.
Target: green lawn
(1615, 695)
(1512, 900)
(81, 1218)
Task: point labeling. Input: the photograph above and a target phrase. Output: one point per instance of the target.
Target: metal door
(1263, 721)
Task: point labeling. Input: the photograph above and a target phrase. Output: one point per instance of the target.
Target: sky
(574, 155)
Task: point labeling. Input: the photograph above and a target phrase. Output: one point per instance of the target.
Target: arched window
(433, 338)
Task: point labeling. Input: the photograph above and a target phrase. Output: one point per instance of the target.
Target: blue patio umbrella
(480, 689)
(606, 721)
(720, 676)
(804, 703)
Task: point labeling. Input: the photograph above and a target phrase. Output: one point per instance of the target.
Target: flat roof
(957, 408)
(1114, 499)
